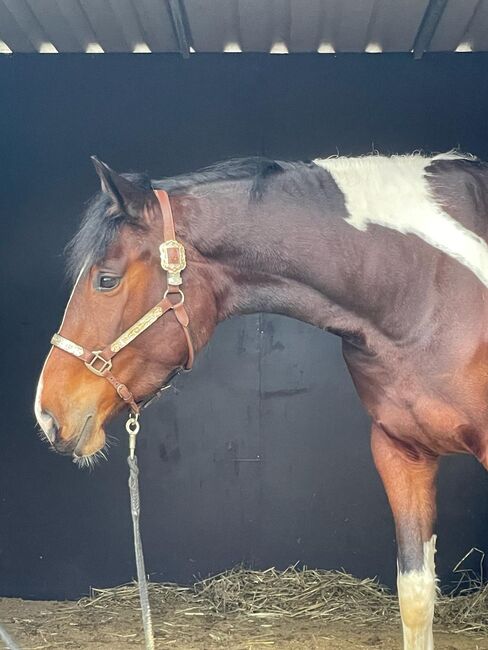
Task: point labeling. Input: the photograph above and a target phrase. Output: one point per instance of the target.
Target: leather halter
(173, 261)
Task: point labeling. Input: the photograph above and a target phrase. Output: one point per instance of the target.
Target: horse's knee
(416, 593)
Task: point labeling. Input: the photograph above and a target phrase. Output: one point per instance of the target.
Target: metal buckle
(105, 367)
(173, 260)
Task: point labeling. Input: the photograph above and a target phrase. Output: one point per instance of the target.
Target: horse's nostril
(49, 425)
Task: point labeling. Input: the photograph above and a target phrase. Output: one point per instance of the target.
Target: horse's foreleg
(409, 481)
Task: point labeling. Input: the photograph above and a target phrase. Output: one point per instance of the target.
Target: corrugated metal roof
(241, 25)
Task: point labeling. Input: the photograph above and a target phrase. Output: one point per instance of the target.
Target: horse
(387, 252)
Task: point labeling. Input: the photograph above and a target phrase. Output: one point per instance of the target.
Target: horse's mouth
(91, 458)
(82, 438)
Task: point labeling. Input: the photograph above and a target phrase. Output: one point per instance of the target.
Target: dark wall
(267, 389)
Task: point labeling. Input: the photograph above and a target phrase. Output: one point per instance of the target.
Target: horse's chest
(427, 410)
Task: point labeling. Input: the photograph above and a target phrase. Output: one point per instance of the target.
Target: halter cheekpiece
(173, 261)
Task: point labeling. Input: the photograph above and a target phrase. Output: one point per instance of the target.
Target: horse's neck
(297, 255)
(285, 255)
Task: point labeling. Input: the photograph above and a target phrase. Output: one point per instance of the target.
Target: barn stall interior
(263, 519)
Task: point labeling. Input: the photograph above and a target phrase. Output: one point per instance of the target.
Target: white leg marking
(393, 192)
(416, 593)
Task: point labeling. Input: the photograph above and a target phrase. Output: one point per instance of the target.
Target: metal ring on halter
(182, 297)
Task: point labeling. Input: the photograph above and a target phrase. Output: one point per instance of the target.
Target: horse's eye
(107, 282)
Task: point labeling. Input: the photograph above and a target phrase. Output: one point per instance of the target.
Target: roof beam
(180, 26)
(427, 28)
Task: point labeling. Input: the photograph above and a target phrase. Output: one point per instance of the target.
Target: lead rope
(132, 427)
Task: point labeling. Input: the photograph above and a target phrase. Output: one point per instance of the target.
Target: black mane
(90, 243)
(254, 167)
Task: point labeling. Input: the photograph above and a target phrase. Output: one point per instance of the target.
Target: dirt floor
(40, 625)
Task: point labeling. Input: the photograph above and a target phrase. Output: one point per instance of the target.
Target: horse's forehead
(126, 246)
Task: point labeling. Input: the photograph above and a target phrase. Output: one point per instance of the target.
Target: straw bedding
(328, 596)
(243, 609)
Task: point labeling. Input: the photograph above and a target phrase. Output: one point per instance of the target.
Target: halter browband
(173, 261)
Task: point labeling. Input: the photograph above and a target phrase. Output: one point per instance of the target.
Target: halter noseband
(173, 261)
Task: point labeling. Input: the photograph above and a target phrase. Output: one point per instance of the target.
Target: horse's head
(116, 259)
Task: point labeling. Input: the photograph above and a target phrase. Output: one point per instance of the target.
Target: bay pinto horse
(389, 253)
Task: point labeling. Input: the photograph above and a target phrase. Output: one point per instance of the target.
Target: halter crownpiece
(173, 261)
(172, 252)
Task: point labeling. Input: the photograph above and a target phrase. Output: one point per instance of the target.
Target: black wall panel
(262, 454)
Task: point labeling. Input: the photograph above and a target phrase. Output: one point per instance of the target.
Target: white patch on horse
(42, 418)
(393, 192)
(416, 593)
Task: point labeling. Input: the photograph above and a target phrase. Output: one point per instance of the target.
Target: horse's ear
(126, 196)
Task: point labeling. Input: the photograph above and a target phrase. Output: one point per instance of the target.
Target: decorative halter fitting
(173, 261)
